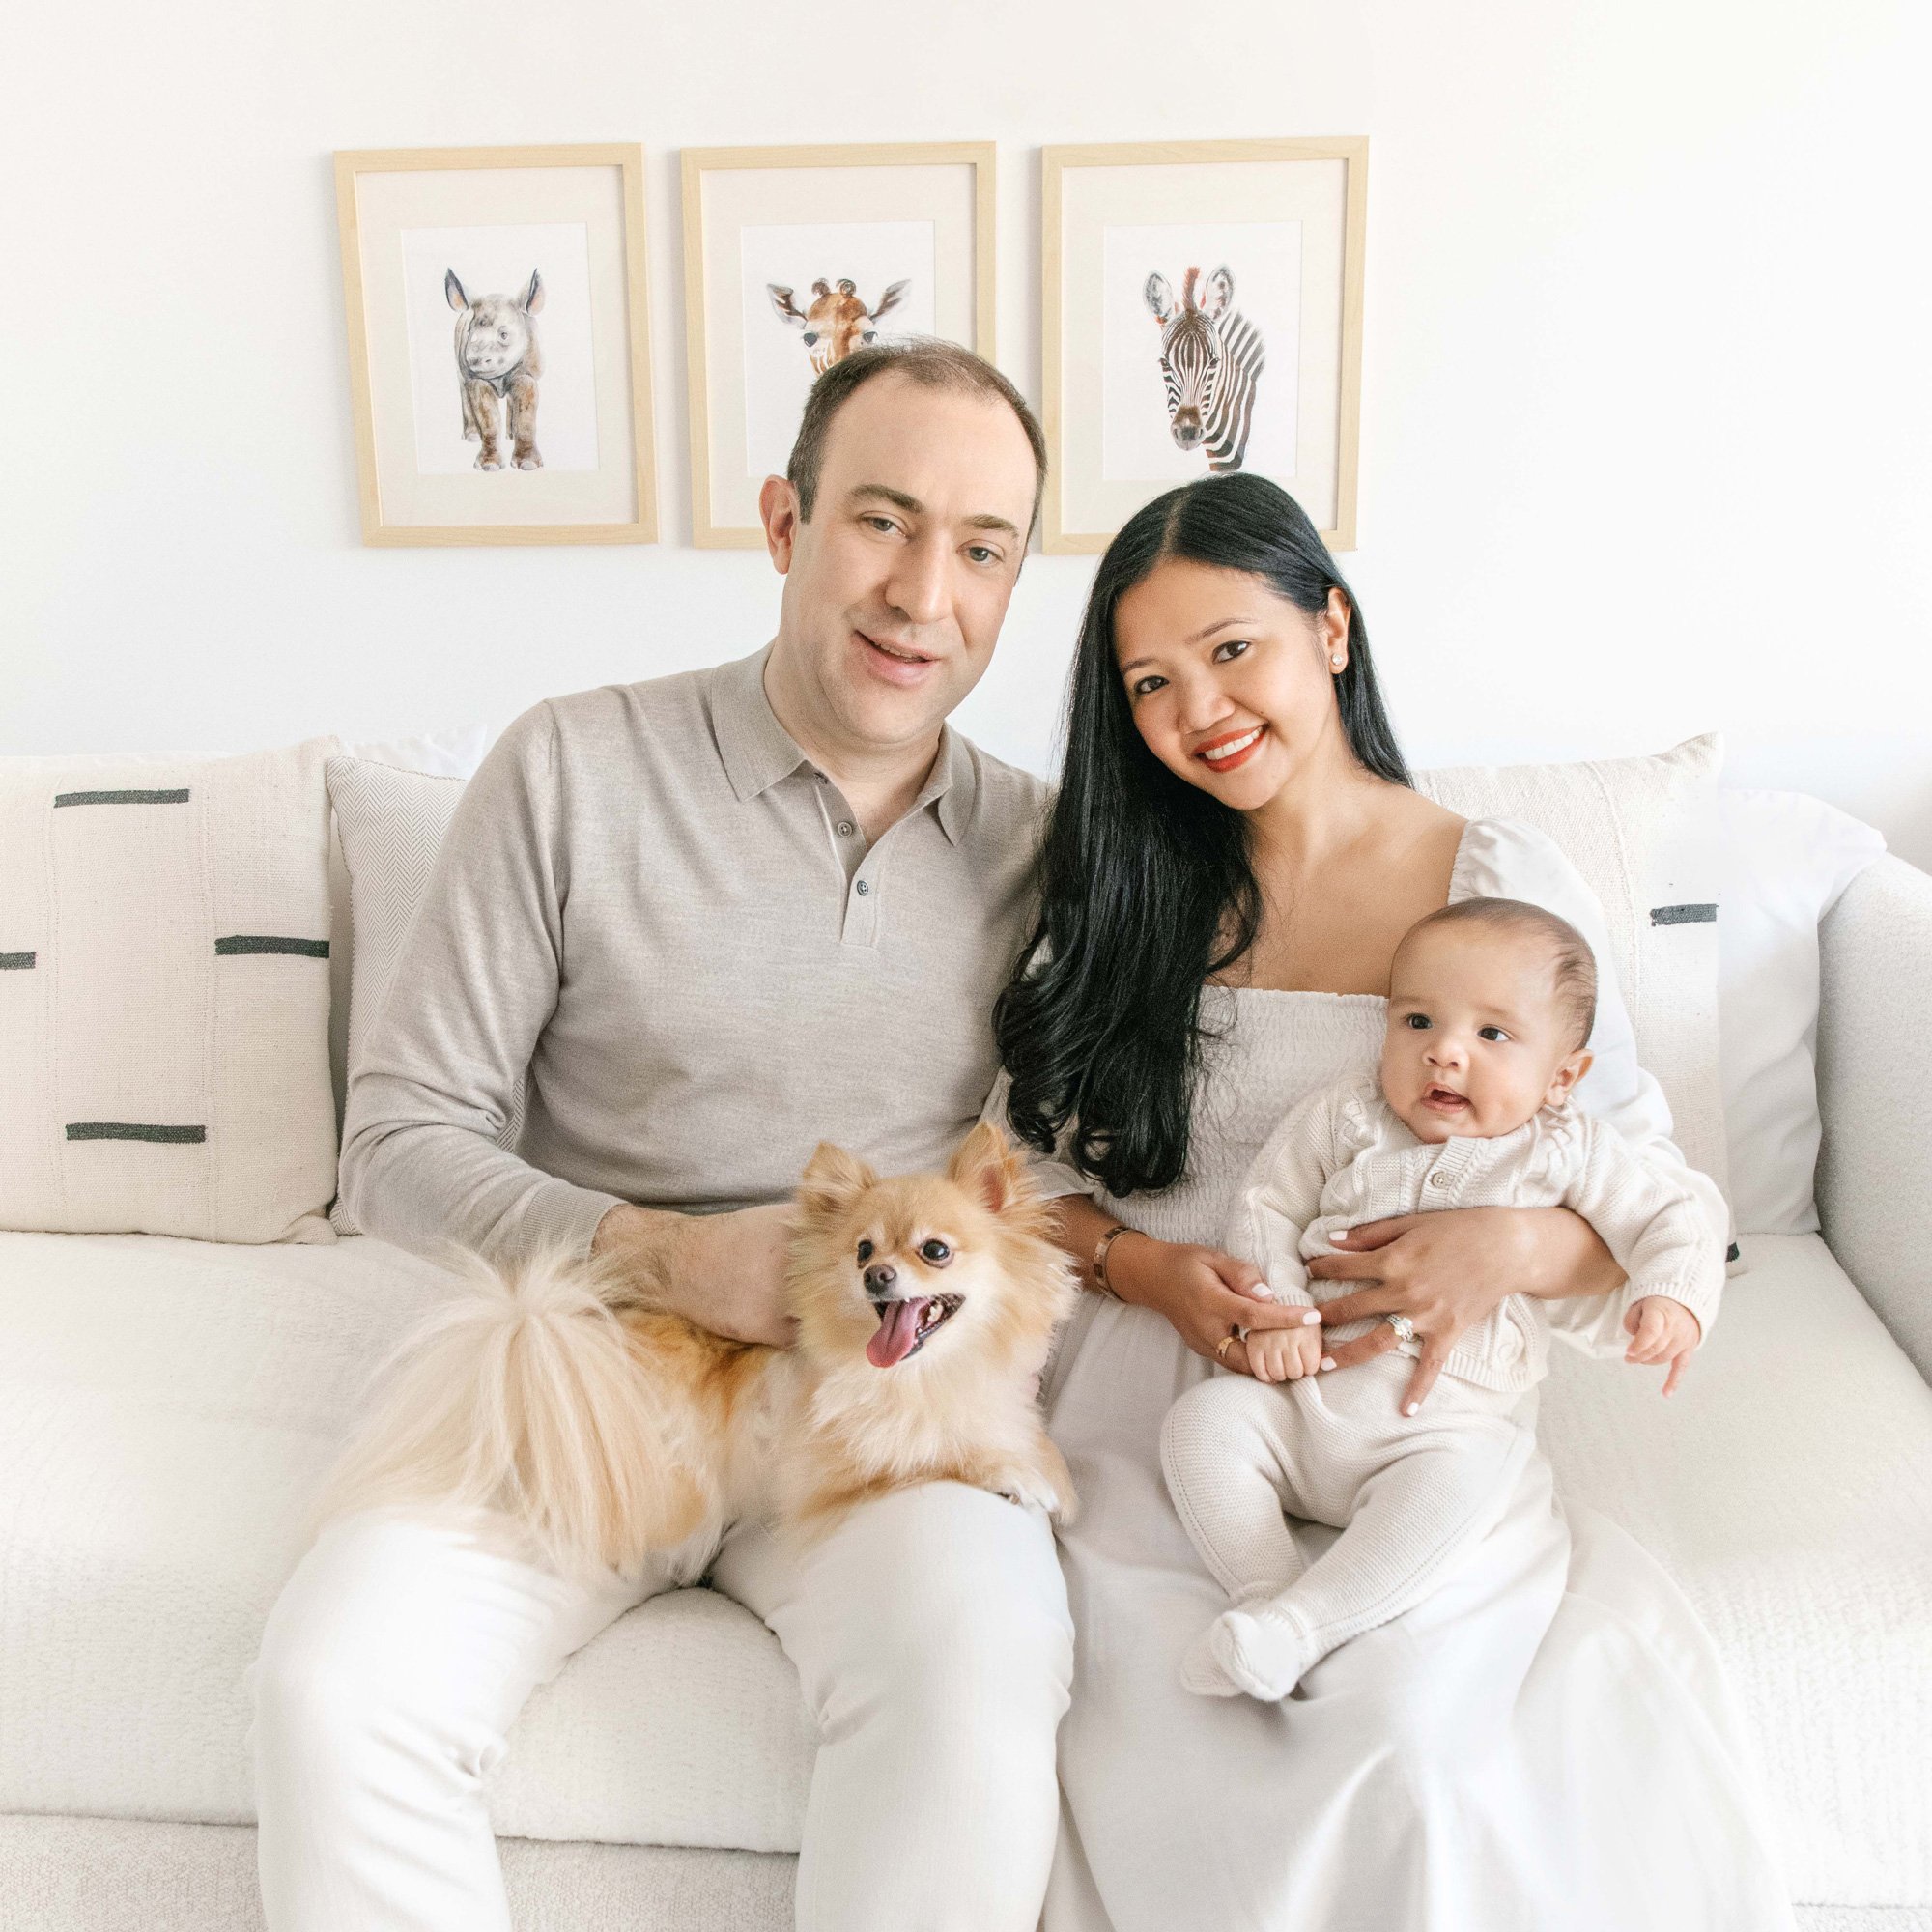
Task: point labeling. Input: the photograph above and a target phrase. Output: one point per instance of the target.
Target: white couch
(166, 1404)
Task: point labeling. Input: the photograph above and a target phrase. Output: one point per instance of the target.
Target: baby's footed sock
(1259, 1648)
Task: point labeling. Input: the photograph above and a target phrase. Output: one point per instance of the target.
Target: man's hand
(721, 1272)
(1662, 1330)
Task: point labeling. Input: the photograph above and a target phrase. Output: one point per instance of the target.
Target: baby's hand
(1664, 1331)
(1284, 1354)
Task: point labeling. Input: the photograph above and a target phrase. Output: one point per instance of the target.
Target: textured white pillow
(1643, 834)
(452, 753)
(165, 988)
(1787, 858)
(391, 824)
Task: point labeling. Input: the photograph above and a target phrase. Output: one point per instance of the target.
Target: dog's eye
(936, 1252)
(865, 1251)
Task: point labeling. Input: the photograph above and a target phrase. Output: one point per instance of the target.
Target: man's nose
(919, 587)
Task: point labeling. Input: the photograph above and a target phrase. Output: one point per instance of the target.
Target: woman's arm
(1205, 1296)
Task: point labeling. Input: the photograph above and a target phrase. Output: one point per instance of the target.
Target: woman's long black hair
(1145, 882)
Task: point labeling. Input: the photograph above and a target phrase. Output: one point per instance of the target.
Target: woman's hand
(1447, 1270)
(1204, 1293)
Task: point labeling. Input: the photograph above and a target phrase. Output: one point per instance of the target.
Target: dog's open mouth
(904, 1326)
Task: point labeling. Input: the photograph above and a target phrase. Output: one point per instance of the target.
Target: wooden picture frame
(580, 386)
(1296, 210)
(746, 381)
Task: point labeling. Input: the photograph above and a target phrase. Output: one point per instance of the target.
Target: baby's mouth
(1444, 1099)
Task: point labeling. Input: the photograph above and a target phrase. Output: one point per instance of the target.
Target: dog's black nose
(879, 1279)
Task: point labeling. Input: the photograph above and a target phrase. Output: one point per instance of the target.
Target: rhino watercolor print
(497, 355)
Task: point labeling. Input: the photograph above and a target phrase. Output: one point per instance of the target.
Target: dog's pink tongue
(898, 1329)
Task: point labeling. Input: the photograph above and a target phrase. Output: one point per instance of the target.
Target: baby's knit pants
(1411, 1495)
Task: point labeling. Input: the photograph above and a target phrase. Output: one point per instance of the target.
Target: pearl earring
(1336, 662)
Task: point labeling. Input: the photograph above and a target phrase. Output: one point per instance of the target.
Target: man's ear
(832, 1180)
(1573, 1068)
(778, 512)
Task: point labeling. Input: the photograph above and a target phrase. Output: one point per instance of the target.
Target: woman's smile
(1232, 750)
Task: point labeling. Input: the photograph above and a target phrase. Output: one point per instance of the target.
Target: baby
(1491, 1001)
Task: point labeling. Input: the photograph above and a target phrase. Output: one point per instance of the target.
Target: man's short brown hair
(923, 360)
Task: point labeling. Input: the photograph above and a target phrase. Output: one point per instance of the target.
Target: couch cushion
(1787, 1486)
(166, 1408)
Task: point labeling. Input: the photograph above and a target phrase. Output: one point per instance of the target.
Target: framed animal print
(1203, 314)
(498, 353)
(793, 258)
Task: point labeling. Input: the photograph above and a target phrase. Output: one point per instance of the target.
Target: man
(717, 917)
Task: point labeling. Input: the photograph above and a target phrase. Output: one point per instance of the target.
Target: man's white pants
(930, 1635)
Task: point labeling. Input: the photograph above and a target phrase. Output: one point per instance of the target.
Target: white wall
(1647, 441)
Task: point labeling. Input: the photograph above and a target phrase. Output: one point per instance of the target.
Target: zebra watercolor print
(1211, 357)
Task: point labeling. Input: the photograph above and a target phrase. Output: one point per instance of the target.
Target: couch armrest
(1875, 1095)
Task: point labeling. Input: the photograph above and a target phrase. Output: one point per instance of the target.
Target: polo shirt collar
(758, 750)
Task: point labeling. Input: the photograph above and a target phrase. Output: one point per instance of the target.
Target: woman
(1545, 1743)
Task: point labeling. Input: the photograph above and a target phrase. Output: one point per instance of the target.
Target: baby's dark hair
(1573, 963)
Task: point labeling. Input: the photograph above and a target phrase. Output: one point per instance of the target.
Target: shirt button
(864, 888)
(846, 828)
(1439, 1181)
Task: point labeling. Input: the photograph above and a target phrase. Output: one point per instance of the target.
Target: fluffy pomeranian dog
(611, 1435)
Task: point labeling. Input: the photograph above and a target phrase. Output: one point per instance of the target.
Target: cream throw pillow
(164, 961)
(1644, 833)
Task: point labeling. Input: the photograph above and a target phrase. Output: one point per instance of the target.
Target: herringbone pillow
(164, 996)
(391, 824)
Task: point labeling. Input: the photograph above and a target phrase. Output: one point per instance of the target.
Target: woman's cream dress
(1546, 1745)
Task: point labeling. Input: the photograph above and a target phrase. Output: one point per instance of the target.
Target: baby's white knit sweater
(1344, 1159)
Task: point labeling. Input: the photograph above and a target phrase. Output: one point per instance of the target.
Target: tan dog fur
(611, 1435)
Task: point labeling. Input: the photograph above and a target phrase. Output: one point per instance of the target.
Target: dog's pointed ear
(990, 1169)
(832, 1179)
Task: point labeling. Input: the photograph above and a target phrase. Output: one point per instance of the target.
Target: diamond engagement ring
(1405, 1328)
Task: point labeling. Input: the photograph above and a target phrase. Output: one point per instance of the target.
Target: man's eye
(1420, 1022)
(865, 1251)
(936, 1252)
(982, 553)
(1491, 1033)
(883, 524)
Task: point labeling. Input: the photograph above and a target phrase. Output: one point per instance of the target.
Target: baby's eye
(1419, 1022)
(936, 1252)
(1490, 1033)
(865, 1251)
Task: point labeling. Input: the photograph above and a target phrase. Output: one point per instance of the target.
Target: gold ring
(1226, 1342)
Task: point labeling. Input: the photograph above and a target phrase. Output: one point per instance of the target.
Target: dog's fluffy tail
(525, 1397)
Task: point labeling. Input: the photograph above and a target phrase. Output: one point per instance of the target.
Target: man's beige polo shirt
(651, 899)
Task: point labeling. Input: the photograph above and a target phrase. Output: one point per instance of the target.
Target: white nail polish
(1312, 1317)
(1327, 1361)
(1411, 1409)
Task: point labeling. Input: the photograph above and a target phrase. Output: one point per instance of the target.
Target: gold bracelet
(1105, 1242)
